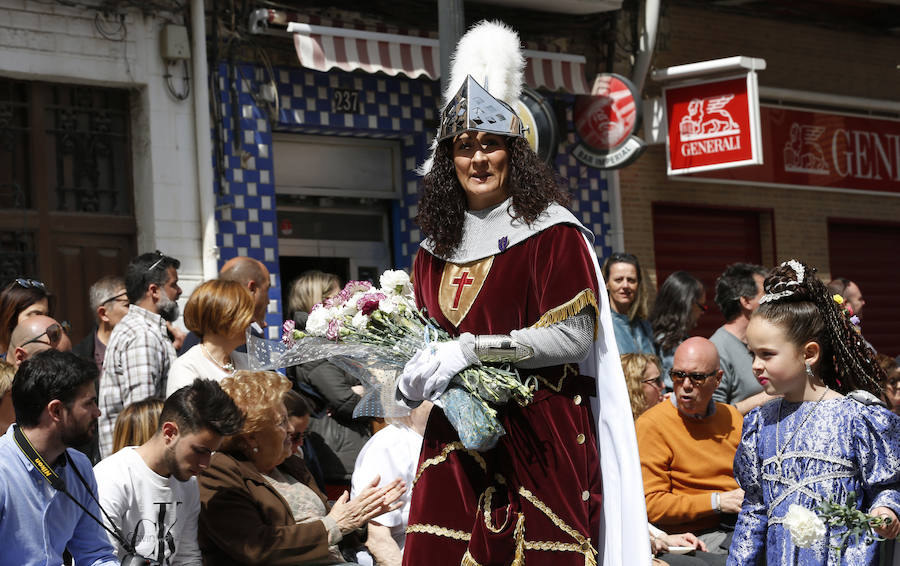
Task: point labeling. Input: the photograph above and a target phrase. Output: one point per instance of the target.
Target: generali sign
(822, 149)
(712, 125)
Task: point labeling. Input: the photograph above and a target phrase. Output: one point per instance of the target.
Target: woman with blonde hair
(254, 513)
(7, 414)
(310, 289)
(219, 312)
(137, 423)
(643, 377)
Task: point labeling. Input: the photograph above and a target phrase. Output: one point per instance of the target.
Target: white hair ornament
(787, 288)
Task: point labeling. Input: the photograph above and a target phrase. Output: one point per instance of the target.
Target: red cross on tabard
(461, 282)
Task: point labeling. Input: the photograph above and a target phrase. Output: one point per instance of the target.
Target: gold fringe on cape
(570, 308)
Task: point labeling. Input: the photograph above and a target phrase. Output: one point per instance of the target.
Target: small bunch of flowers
(805, 526)
(387, 322)
(808, 527)
(847, 310)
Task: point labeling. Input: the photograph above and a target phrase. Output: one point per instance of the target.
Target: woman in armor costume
(513, 274)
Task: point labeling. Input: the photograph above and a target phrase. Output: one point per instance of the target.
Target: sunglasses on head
(53, 334)
(31, 284)
(622, 256)
(697, 379)
(159, 260)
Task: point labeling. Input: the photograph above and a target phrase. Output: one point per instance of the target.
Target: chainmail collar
(492, 230)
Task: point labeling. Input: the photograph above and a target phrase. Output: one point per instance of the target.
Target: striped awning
(323, 48)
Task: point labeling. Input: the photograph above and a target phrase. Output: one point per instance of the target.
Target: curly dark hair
(532, 186)
(808, 313)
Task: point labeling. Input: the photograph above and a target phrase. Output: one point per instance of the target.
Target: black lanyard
(60, 485)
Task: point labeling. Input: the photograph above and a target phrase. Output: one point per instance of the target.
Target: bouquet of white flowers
(379, 330)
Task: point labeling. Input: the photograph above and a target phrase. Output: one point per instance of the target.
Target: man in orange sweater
(687, 447)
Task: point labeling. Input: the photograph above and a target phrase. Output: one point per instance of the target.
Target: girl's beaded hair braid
(800, 303)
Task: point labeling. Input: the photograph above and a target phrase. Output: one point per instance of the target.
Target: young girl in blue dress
(826, 437)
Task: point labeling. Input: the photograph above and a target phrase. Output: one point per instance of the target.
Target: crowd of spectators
(200, 459)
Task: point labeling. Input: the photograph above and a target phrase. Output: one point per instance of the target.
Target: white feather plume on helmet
(490, 53)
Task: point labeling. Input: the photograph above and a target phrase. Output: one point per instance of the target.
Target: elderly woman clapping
(249, 509)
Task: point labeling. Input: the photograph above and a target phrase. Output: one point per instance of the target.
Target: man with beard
(47, 489)
(139, 353)
(149, 492)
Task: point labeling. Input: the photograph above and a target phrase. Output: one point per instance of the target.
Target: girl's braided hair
(801, 304)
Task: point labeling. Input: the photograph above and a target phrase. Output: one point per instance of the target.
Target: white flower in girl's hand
(805, 526)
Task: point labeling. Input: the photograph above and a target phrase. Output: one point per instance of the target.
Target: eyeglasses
(297, 437)
(893, 383)
(654, 381)
(701, 306)
(697, 379)
(114, 297)
(52, 332)
(31, 284)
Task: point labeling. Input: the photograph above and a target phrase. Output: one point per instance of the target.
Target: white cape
(624, 538)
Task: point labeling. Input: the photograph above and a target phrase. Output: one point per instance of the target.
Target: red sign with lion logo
(713, 125)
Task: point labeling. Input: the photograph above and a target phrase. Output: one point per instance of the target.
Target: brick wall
(818, 60)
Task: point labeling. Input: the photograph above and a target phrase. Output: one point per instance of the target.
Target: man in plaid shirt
(139, 352)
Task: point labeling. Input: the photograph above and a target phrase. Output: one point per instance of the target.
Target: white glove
(429, 371)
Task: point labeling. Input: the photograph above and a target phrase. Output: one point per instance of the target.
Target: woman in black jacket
(336, 437)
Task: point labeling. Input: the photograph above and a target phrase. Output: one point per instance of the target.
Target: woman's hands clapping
(370, 503)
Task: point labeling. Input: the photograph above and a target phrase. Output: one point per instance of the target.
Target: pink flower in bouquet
(287, 332)
(369, 303)
(351, 288)
(334, 329)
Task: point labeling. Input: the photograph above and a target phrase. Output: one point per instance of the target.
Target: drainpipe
(209, 251)
(647, 44)
(616, 229)
(638, 77)
(451, 26)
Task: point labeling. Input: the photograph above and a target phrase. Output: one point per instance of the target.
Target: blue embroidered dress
(843, 446)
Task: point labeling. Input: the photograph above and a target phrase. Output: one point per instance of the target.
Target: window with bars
(78, 140)
(66, 197)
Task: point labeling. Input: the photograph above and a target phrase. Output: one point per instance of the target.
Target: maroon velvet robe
(548, 458)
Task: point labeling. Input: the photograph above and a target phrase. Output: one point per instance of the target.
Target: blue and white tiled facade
(396, 108)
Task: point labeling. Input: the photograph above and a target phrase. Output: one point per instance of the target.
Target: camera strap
(57, 482)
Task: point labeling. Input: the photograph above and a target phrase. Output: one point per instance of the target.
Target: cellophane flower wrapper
(371, 333)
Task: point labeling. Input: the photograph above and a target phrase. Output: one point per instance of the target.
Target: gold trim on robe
(570, 308)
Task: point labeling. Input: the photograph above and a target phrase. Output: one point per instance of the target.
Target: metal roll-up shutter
(703, 241)
(865, 253)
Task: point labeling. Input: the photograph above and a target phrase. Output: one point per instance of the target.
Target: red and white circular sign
(607, 118)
